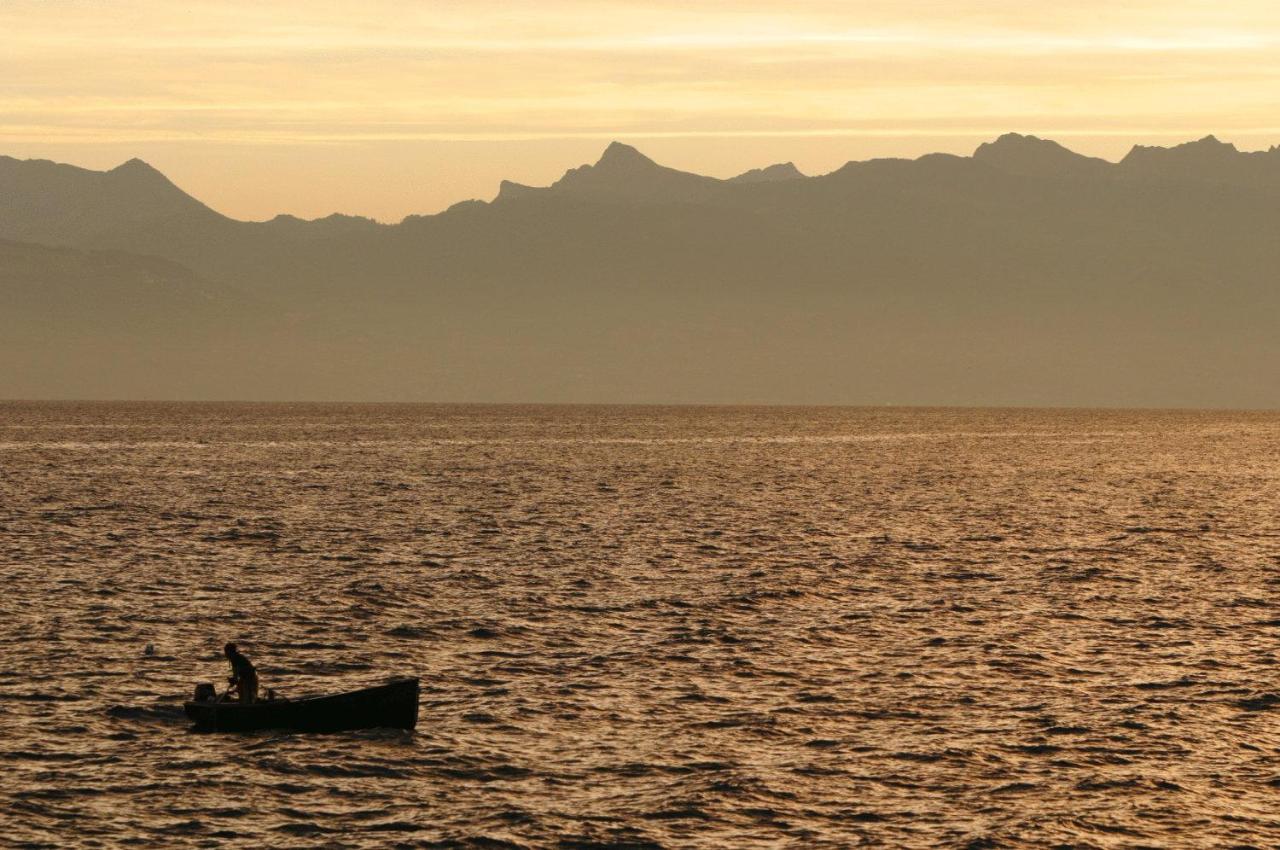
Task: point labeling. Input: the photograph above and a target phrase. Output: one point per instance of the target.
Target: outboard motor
(205, 692)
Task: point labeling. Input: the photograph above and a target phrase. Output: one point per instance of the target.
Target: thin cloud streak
(731, 41)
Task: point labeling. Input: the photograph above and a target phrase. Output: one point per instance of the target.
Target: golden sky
(387, 108)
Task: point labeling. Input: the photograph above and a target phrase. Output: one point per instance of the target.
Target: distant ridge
(330, 225)
(1018, 154)
(1207, 159)
(136, 192)
(1023, 274)
(509, 190)
(1208, 150)
(623, 173)
(63, 196)
(773, 173)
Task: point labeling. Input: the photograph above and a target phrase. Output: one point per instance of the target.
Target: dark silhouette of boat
(393, 705)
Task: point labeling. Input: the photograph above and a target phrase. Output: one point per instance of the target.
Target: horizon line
(649, 404)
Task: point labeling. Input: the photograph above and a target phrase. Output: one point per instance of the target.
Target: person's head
(230, 650)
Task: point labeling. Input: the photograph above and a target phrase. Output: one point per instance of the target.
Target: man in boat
(244, 678)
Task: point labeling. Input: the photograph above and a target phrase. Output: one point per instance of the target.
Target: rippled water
(646, 627)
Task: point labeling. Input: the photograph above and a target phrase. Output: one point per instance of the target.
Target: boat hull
(393, 705)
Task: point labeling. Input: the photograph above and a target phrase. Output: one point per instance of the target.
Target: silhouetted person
(244, 678)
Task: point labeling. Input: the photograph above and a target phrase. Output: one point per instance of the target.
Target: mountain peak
(623, 173)
(142, 176)
(1210, 142)
(1210, 148)
(1008, 139)
(618, 155)
(1033, 156)
(1019, 141)
(146, 191)
(136, 166)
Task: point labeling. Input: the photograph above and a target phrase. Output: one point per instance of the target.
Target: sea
(645, 627)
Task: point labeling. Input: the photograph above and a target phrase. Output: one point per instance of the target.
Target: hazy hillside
(44, 288)
(96, 322)
(1024, 274)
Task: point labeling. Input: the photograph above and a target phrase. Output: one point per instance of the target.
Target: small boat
(393, 705)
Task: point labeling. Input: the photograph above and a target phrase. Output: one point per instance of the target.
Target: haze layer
(1025, 274)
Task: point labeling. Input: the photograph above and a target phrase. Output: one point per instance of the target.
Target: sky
(385, 109)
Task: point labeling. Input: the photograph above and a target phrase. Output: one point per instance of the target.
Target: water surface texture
(646, 627)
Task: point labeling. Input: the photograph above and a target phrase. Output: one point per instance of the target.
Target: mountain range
(1023, 274)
